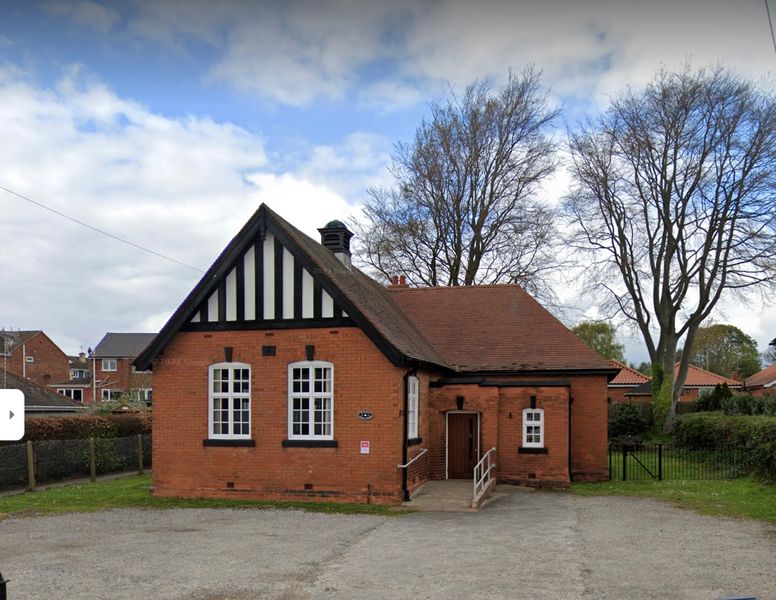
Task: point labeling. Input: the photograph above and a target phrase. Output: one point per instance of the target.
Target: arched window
(533, 428)
(311, 400)
(229, 401)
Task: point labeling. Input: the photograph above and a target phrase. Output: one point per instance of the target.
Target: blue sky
(169, 122)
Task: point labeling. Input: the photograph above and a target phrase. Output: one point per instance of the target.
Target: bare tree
(462, 210)
(675, 199)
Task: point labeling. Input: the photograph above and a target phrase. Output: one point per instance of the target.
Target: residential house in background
(39, 401)
(625, 381)
(33, 355)
(113, 372)
(287, 372)
(78, 386)
(762, 382)
(699, 381)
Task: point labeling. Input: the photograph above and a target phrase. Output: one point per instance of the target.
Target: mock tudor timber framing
(289, 304)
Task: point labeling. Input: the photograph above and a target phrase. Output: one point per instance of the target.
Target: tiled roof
(765, 378)
(494, 328)
(122, 345)
(17, 338)
(368, 296)
(627, 376)
(696, 378)
(37, 397)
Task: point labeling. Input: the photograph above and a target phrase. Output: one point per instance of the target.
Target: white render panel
(308, 299)
(195, 318)
(231, 295)
(288, 285)
(269, 276)
(327, 306)
(212, 307)
(249, 268)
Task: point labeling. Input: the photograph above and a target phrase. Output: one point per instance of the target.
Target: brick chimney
(735, 376)
(398, 281)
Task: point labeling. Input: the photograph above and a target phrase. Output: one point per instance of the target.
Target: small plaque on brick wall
(365, 415)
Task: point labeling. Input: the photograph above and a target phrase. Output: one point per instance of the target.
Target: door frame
(447, 434)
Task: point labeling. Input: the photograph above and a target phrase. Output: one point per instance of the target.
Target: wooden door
(461, 445)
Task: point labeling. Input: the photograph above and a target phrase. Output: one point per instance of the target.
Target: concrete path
(523, 545)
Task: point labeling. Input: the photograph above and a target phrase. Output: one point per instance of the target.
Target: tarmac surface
(522, 544)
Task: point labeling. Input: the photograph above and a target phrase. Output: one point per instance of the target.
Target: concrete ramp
(450, 495)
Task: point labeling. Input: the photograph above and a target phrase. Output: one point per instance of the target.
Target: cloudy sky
(167, 123)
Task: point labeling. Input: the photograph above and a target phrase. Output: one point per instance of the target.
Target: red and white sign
(364, 447)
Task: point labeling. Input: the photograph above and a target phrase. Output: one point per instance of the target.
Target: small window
(29, 359)
(311, 401)
(108, 364)
(110, 395)
(75, 394)
(142, 395)
(413, 409)
(533, 428)
(79, 373)
(229, 401)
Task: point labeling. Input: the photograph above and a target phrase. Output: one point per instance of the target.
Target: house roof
(37, 398)
(696, 378)
(17, 338)
(627, 375)
(764, 378)
(433, 326)
(122, 345)
(503, 336)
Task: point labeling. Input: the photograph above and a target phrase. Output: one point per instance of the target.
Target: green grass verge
(133, 492)
(744, 498)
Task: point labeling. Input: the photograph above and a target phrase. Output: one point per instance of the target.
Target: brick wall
(50, 364)
(122, 379)
(363, 380)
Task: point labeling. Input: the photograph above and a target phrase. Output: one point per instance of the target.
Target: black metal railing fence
(640, 461)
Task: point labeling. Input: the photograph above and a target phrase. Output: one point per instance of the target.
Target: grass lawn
(743, 497)
(133, 492)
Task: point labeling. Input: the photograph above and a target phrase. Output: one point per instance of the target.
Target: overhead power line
(98, 230)
(770, 24)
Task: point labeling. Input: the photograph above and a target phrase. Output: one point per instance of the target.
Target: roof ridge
(727, 379)
(476, 286)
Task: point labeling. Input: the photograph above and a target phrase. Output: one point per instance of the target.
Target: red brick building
(625, 381)
(113, 371)
(763, 382)
(33, 355)
(289, 373)
(699, 381)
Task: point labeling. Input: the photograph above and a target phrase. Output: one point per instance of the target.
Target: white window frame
(413, 407)
(311, 396)
(29, 359)
(533, 423)
(68, 393)
(142, 394)
(107, 361)
(110, 392)
(231, 396)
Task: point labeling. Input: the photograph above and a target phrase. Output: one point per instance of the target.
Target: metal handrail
(417, 456)
(482, 475)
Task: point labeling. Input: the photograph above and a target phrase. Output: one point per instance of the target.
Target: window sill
(235, 442)
(309, 443)
(414, 441)
(524, 450)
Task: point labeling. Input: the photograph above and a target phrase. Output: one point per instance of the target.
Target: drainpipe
(571, 476)
(24, 361)
(404, 446)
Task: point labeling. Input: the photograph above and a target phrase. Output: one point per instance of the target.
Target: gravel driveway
(530, 545)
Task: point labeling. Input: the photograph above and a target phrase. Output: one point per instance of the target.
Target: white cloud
(394, 55)
(92, 15)
(182, 187)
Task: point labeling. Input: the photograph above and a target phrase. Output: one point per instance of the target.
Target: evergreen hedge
(754, 434)
(86, 426)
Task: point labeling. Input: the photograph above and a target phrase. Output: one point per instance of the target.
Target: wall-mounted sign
(365, 415)
(364, 447)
